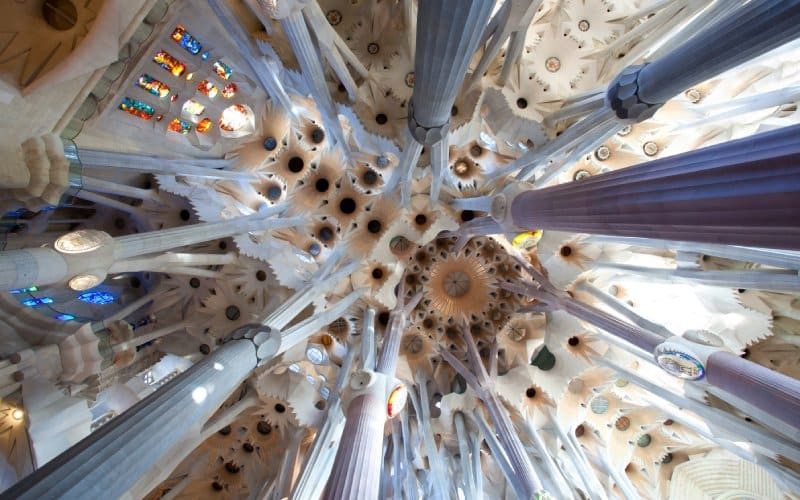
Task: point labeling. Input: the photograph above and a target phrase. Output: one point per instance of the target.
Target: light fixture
(17, 414)
(199, 394)
(83, 282)
(82, 241)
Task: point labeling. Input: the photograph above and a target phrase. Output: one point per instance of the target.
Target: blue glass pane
(37, 302)
(64, 317)
(96, 297)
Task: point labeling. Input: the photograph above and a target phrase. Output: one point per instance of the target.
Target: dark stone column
(743, 192)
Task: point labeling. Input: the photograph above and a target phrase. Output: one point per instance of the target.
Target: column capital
(424, 134)
(623, 96)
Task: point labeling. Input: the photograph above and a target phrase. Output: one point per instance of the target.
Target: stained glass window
(186, 40)
(169, 63)
(64, 317)
(207, 88)
(233, 118)
(100, 298)
(229, 90)
(223, 70)
(137, 108)
(204, 125)
(193, 107)
(179, 126)
(153, 86)
(37, 302)
(25, 290)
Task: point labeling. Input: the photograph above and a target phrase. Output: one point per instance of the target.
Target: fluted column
(775, 393)
(123, 456)
(748, 31)
(742, 192)
(356, 471)
(448, 33)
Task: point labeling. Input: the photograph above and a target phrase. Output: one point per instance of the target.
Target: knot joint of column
(623, 96)
(426, 135)
(267, 340)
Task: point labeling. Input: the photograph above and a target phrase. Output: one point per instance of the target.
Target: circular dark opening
(374, 226)
(273, 193)
(347, 206)
(454, 111)
(381, 119)
(205, 349)
(225, 430)
(280, 408)
(216, 485)
(383, 318)
(370, 177)
(321, 404)
(668, 421)
(467, 215)
(231, 467)
(317, 135)
(194, 283)
(566, 251)
(248, 447)
(326, 234)
(377, 273)
(410, 279)
(185, 214)
(296, 164)
(427, 322)
(263, 428)
(322, 185)
(530, 392)
(261, 275)
(60, 14)
(476, 150)
(579, 431)
(522, 103)
(232, 313)
(223, 245)
(341, 88)
(421, 219)
(314, 249)
(573, 341)
(270, 144)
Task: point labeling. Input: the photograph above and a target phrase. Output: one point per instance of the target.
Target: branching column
(122, 457)
(448, 33)
(742, 192)
(357, 468)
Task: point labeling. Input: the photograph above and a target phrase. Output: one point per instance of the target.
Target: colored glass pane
(25, 290)
(229, 90)
(100, 298)
(233, 118)
(37, 302)
(64, 317)
(223, 70)
(180, 126)
(207, 88)
(193, 107)
(204, 125)
(186, 40)
(169, 63)
(137, 108)
(153, 86)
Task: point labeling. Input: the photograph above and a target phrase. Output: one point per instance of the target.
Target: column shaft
(357, 468)
(127, 452)
(747, 32)
(743, 192)
(775, 393)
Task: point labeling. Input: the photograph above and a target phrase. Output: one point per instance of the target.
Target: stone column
(773, 392)
(448, 33)
(742, 192)
(123, 457)
(746, 32)
(357, 467)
